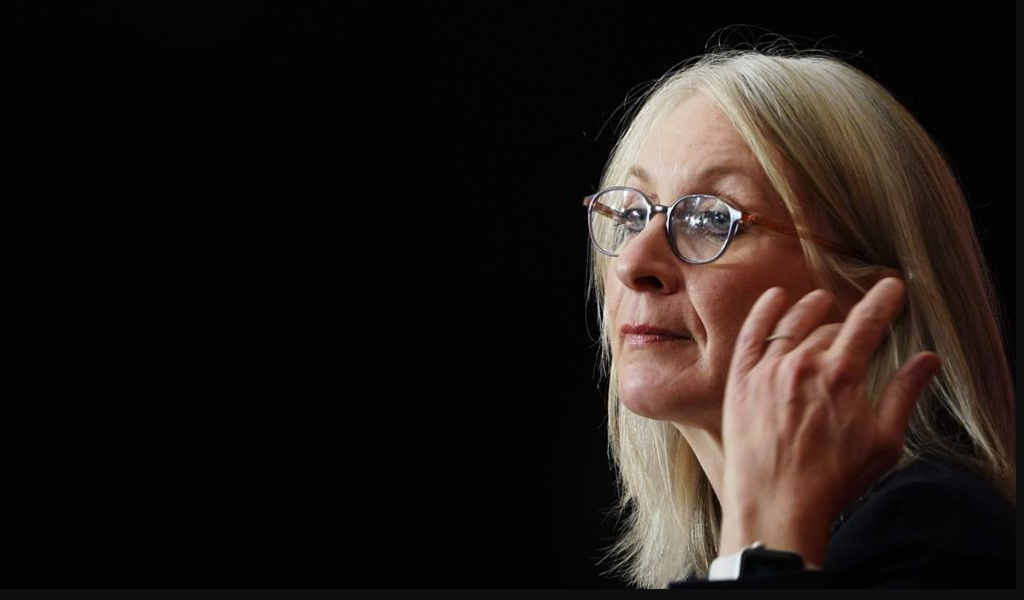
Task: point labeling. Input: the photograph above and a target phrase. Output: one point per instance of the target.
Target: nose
(647, 263)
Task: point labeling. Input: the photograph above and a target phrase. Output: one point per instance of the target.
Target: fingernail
(934, 362)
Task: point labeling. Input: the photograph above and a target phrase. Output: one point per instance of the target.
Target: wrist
(806, 534)
(757, 560)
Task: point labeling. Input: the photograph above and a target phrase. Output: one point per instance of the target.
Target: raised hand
(800, 437)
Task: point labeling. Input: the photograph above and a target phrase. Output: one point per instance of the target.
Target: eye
(706, 217)
(715, 222)
(632, 220)
(723, 217)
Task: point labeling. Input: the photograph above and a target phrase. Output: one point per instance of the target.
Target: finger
(821, 338)
(897, 401)
(758, 324)
(799, 322)
(865, 327)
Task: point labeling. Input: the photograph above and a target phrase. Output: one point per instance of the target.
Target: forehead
(694, 141)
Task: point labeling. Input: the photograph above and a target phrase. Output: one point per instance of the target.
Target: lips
(646, 329)
(646, 333)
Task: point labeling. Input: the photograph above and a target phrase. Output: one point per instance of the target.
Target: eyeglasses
(699, 227)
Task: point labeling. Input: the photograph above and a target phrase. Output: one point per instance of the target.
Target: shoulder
(933, 523)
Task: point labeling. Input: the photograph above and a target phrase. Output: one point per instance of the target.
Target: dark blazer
(931, 524)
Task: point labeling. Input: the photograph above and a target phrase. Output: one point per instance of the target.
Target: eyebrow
(713, 173)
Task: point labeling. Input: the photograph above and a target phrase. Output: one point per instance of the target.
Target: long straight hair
(883, 187)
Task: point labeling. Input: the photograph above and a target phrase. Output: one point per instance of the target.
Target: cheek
(612, 298)
(723, 328)
(723, 316)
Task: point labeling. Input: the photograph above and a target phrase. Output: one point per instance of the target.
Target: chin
(650, 392)
(647, 401)
(643, 407)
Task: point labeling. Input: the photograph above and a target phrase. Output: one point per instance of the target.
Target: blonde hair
(883, 188)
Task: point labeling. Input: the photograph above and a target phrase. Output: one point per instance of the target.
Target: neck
(707, 447)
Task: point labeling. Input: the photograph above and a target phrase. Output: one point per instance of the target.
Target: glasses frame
(737, 217)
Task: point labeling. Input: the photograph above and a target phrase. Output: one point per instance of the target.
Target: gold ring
(777, 336)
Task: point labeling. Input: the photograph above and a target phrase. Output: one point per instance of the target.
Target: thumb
(901, 393)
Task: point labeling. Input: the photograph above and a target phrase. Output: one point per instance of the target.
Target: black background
(295, 295)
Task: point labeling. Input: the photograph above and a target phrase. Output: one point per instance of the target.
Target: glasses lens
(700, 227)
(616, 217)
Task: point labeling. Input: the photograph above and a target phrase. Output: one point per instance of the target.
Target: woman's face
(682, 378)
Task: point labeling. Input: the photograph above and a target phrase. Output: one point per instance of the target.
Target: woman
(804, 351)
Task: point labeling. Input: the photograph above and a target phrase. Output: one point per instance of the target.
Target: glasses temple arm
(786, 229)
(601, 208)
